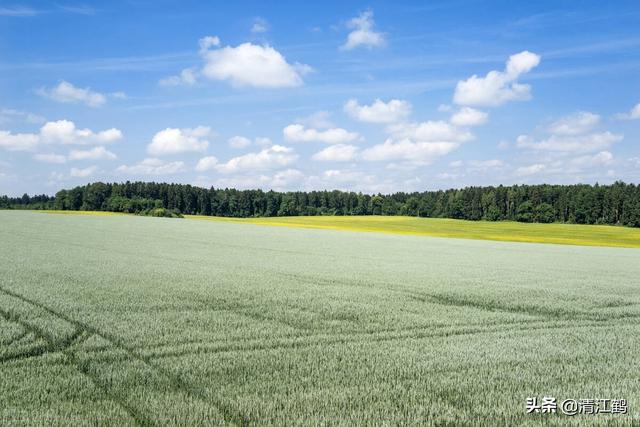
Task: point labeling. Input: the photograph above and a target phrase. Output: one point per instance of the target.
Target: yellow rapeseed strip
(565, 234)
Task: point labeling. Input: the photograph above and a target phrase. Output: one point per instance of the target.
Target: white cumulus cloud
(152, 166)
(274, 157)
(58, 132)
(287, 179)
(260, 25)
(603, 158)
(468, 116)
(239, 142)
(206, 164)
(249, 64)
(634, 114)
(530, 170)
(379, 112)
(83, 173)
(9, 115)
(577, 143)
(19, 141)
(575, 124)
(176, 141)
(571, 134)
(187, 77)
(363, 33)
(498, 87)
(408, 150)
(337, 153)
(299, 133)
(50, 158)
(429, 131)
(68, 93)
(318, 120)
(97, 153)
(65, 132)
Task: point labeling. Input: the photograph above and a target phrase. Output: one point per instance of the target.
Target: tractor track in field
(15, 338)
(370, 337)
(63, 346)
(229, 415)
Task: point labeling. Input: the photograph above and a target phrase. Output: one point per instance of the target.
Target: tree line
(616, 204)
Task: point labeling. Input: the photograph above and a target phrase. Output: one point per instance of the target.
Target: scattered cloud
(482, 166)
(19, 141)
(498, 87)
(298, 133)
(530, 170)
(65, 92)
(19, 11)
(337, 153)
(429, 131)
(58, 132)
(318, 120)
(575, 124)
(83, 173)
(152, 166)
(578, 143)
(571, 134)
(363, 33)
(187, 77)
(468, 116)
(239, 142)
(9, 115)
(419, 143)
(78, 9)
(55, 177)
(379, 112)
(206, 164)
(462, 169)
(263, 141)
(408, 151)
(633, 114)
(50, 158)
(97, 153)
(274, 157)
(348, 179)
(572, 149)
(208, 42)
(260, 25)
(65, 132)
(176, 141)
(282, 180)
(635, 161)
(603, 158)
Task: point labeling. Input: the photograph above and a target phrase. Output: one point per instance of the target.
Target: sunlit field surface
(566, 234)
(127, 320)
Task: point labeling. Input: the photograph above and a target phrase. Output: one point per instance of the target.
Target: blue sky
(372, 97)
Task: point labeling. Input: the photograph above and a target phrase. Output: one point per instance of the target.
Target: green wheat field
(127, 320)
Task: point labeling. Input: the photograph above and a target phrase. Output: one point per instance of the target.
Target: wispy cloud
(27, 11)
(19, 11)
(80, 9)
(127, 63)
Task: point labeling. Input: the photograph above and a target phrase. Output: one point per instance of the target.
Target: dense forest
(617, 204)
